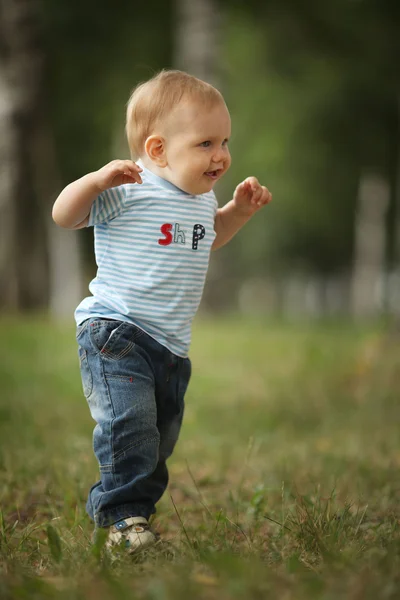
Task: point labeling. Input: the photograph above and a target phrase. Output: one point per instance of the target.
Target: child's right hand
(117, 172)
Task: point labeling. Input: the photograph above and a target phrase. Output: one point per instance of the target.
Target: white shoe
(134, 533)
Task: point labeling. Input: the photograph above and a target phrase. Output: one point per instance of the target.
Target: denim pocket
(113, 339)
(102, 332)
(86, 373)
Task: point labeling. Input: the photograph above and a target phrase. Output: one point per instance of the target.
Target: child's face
(196, 146)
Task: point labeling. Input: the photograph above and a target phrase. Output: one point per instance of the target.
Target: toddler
(155, 222)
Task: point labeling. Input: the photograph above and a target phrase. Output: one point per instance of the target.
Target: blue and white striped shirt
(152, 249)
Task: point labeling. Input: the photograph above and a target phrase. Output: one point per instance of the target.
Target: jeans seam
(108, 468)
(89, 388)
(120, 355)
(82, 328)
(113, 411)
(83, 357)
(97, 323)
(117, 455)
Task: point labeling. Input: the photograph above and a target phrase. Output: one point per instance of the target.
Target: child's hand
(250, 196)
(118, 172)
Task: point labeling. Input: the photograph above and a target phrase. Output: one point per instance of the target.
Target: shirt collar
(150, 176)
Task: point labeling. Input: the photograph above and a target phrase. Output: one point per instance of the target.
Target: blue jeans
(135, 389)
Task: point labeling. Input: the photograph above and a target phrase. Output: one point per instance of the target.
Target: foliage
(313, 90)
(97, 51)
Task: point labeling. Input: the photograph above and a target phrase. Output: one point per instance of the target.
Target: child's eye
(225, 142)
(205, 144)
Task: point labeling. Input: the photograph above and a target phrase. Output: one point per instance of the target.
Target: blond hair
(153, 100)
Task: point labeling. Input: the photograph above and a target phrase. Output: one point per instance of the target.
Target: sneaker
(134, 533)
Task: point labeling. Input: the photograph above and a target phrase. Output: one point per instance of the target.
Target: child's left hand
(250, 196)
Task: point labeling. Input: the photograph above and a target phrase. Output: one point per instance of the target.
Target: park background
(285, 482)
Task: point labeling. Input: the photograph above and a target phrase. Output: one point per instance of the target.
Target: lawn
(284, 484)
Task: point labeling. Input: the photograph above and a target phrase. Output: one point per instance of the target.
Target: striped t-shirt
(152, 248)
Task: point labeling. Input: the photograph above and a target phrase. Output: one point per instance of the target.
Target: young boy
(152, 247)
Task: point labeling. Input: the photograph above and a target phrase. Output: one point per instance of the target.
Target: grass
(285, 482)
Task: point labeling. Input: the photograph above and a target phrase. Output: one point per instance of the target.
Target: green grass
(285, 482)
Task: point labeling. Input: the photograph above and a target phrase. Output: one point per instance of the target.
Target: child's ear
(155, 149)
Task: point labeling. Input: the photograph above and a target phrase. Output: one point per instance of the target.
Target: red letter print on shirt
(166, 230)
(178, 236)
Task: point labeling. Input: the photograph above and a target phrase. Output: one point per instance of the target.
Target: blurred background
(288, 463)
(314, 92)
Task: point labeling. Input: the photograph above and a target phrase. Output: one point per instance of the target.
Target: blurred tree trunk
(37, 260)
(23, 247)
(197, 35)
(397, 193)
(369, 251)
(394, 289)
(64, 264)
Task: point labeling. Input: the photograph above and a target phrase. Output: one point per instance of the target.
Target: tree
(65, 75)
(359, 43)
(197, 50)
(23, 258)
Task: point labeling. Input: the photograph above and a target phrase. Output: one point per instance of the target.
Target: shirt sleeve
(215, 206)
(108, 205)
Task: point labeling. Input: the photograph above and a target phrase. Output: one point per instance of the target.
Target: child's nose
(219, 155)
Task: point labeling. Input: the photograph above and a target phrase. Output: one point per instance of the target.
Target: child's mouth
(213, 174)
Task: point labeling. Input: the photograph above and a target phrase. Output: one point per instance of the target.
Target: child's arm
(248, 198)
(72, 207)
